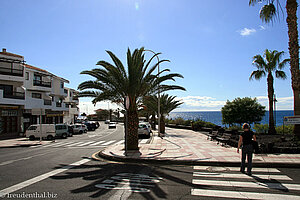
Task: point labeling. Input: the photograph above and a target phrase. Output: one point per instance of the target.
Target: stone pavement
(21, 142)
(181, 146)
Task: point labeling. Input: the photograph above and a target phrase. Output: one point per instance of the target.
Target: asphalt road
(64, 170)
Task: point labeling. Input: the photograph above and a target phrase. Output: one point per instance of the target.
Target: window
(37, 95)
(62, 84)
(27, 76)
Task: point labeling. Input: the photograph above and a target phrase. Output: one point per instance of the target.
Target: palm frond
(268, 13)
(280, 74)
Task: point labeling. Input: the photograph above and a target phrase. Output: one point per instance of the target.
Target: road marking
(241, 195)
(240, 176)
(279, 186)
(97, 143)
(129, 182)
(59, 144)
(109, 142)
(120, 142)
(85, 143)
(74, 144)
(143, 141)
(209, 168)
(24, 184)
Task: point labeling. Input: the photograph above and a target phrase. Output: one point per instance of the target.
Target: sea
(216, 116)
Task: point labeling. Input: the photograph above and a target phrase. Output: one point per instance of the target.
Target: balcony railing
(11, 71)
(14, 95)
(47, 102)
(41, 83)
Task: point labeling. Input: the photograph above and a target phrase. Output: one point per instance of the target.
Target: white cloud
(89, 108)
(198, 103)
(283, 103)
(262, 27)
(247, 31)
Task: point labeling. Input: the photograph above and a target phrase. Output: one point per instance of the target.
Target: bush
(261, 128)
(288, 129)
(235, 128)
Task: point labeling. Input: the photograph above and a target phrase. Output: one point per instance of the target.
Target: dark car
(90, 126)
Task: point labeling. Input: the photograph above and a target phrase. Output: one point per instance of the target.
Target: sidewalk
(181, 146)
(21, 142)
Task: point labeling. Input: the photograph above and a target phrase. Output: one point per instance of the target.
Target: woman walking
(247, 149)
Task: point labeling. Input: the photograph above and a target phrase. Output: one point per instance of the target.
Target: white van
(34, 131)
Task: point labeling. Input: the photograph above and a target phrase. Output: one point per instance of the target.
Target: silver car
(144, 130)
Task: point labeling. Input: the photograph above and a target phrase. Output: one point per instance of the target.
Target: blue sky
(211, 43)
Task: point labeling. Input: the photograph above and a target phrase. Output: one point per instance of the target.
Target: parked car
(112, 125)
(37, 130)
(61, 130)
(90, 126)
(78, 128)
(144, 130)
(107, 122)
(84, 128)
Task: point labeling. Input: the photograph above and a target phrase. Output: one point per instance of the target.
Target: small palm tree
(268, 13)
(267, 65)
(167, 104)
(115, 83)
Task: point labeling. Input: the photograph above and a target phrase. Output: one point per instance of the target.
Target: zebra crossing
(86, 143)
(228, 182)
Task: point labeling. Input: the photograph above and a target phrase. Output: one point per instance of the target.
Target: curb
(100, 154)
(19, 145)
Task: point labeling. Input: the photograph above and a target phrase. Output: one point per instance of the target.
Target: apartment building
(28, 92)
(12, 94)
(71, 102)
(44, 91)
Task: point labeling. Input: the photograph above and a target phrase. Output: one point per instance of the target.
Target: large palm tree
(268, 64)
(268, 13)
(167, 104)
(115, 83)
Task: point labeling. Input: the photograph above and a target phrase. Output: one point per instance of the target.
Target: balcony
(11, 71)
(14, 95)
(47, 102)
(41, 83)
(58, 104)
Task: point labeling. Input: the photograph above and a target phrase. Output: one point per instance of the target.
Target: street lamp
(158, 96)
(275, 100)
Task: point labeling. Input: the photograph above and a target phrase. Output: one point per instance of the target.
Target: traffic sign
(291, 120)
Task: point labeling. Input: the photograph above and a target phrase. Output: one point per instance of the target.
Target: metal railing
(47, 102)
(11, 71)
(41, 83)
(14, 95)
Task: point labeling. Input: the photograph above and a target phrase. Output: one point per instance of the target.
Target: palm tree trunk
(270, 80)
(162, 125)
(153, 126)
(291, 9)
(132, 130)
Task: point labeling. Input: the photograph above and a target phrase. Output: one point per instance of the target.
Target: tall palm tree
(167, 104)
(114, 82)
(267, 65)
(268, 13)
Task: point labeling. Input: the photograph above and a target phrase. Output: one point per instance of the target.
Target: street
(64, 170)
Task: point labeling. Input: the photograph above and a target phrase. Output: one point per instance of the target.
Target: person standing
(247, 148)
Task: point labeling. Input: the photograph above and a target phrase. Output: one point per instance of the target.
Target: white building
(12, 94)
(44, 91)
(71, 102)
(26, 92)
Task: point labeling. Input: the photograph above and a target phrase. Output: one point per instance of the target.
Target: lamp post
(275, 100)
(158, 95)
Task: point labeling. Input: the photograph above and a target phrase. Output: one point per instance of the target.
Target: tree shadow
(134, 176)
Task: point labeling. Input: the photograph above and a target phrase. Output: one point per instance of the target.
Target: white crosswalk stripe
(228, 182)
(87, 143)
